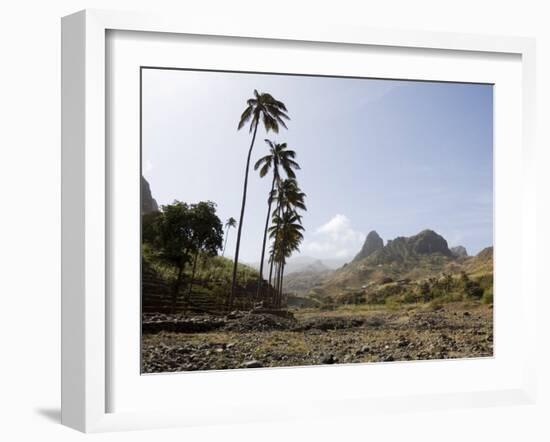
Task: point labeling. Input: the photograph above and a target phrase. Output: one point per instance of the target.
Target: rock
(428, 242)
(329, 323)
(402, 342)
(401, 248)
(252, 364)
(372, 243)
(330, 359)
(260, 322)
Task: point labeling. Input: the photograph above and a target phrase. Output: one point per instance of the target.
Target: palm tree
(289, 196)
(272, 113)
(231, 222)
(286, 233)
(279, 157)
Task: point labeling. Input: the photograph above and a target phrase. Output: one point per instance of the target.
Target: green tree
(206, 234)
(230, 223)
(171, 234)
(279, 157)
(272, 113)
(148, 223)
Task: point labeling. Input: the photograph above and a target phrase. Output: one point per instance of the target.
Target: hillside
(402, 268)
(211, 284)
(300, 283)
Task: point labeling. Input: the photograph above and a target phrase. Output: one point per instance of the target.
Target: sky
(393, 156)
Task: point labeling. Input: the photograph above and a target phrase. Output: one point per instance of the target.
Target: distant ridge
(400, 265)
(402, 248)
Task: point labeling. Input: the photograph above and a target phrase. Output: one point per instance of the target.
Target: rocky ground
(312, 337)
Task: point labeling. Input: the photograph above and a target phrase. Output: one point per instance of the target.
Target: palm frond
(265, 169)
(280, 120)
(265, 159)
(270, 123)
(245, 116)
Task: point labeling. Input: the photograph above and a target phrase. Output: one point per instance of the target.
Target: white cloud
(334, 239)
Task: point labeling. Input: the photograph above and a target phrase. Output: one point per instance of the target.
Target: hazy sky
(392, 156)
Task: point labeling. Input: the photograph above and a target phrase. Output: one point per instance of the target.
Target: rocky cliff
(402, 248)
(372, 244)
(148, 203)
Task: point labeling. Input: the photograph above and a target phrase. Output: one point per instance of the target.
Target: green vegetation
(177, 234)
(436, 290)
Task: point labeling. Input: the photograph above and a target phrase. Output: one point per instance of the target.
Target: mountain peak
(372, 243)
(428, 242)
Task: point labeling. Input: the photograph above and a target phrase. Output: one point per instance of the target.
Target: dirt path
(343, 336)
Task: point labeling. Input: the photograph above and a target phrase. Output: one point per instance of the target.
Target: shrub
(487, 297)
(410, 297)
(328, 304)
(473, 290)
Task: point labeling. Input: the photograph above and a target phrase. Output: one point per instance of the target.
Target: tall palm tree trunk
(260, 278)
(270, 271)
(279, 284)
(225, 242)
(276, 284)
(241, 219)
(282, 280)
(274, 245)
(282, 266)
(271, 286)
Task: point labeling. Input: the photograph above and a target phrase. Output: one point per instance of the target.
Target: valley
(410, 299)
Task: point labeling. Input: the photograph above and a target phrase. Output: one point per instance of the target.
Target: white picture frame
(85, 217)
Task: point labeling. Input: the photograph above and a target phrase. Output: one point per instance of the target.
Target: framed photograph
(285, 223)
